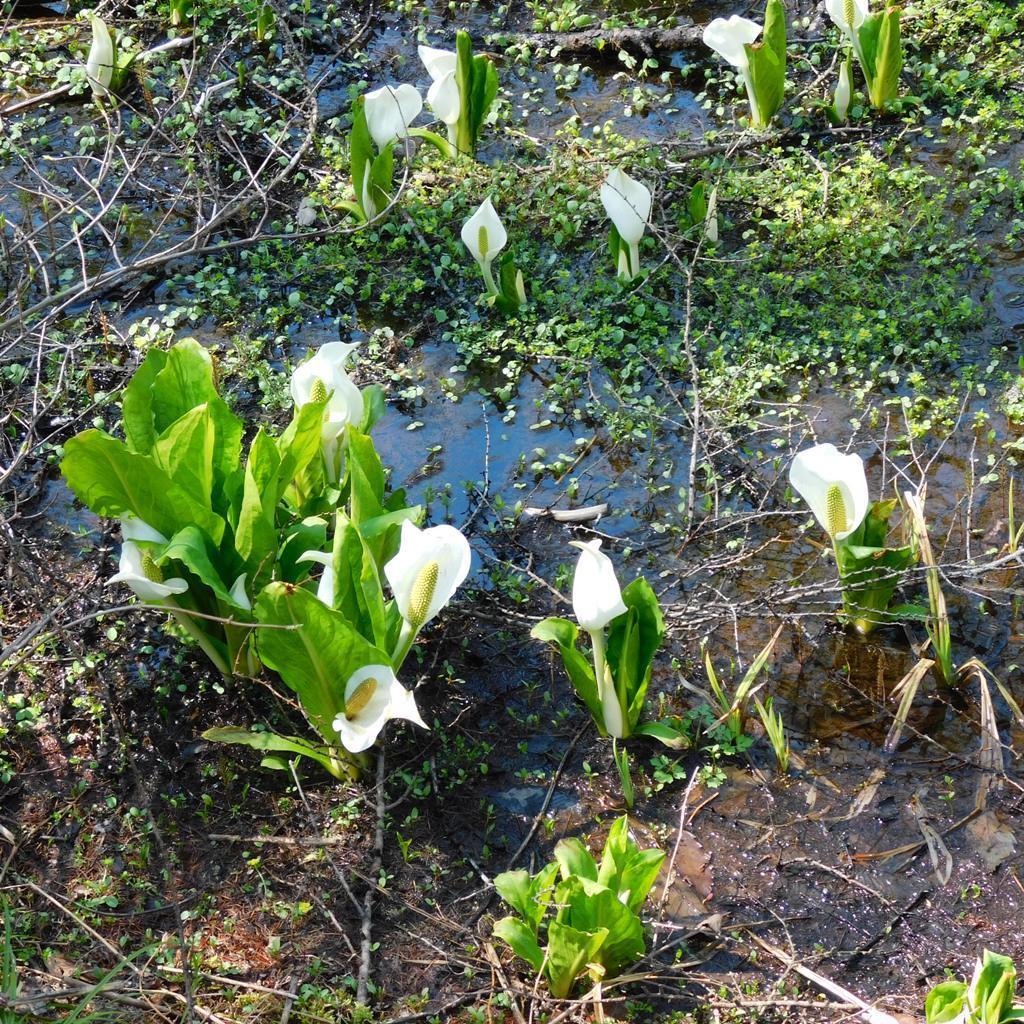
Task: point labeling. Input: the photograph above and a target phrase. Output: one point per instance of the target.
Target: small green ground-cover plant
(577, 916)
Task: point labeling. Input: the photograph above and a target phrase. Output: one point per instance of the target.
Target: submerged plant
(484, 236)
(628, 205)
(463, 89)
(988, 999)
(762, 65)
(576, 916)
(835, 487)
(875, 39)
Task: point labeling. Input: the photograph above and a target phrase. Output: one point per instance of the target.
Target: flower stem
(406, 638)
(634, 259)
(485, 269)
(755, 110)
(195, 631)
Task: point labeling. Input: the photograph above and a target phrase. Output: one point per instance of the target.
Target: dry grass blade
(906, 690)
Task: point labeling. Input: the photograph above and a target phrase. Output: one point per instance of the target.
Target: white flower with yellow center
(373, 696)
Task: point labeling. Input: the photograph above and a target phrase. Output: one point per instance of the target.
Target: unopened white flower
(596, 595)
(844, 90)
(728, 37)
(711, 217)
(373, 696)
(628, 205)
(429, 567)
(438, 62)
(834, 485)
(390, 110)
(611, 709)
(136, 567)
(99, 65)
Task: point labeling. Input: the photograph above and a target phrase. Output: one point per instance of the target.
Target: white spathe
(596, 595)
(837, 11)
(345, 402)
(99, 65)
(373, 696)
(844, 90)
(628, 205)
(238, 594)
(437, 62)
(132, 563)
(611, 709)
(390, 110)
(429, 567)
(325, 588)
(834, 485)
(483, 234)
(711, 217)
(728, 37)
(444, 100)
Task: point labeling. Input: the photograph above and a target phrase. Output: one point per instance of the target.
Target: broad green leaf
(361, 150)
(308, 535)
(591, 907)
(272, 741)
(299, 445)
(374, 406)
(633, 641)
(888, 60)
(357, 588)
(465, 140)
(190, 546)
(696, 207)
(523, 942)
(570, 950)
(113, 482)
(774, 34)
(580, 671)
(316, 659)
(768, 75)
(945, 1002)
(184, 381)
(575, 859)
(185, 451)
(671, 732)
(137, 403)
(366, 478)
(614, 245)
(867, 35)
(256, 532)
(639, 875)
(618, 848)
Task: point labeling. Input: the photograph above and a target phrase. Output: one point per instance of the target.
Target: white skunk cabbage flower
(99, 65)
(848, 15)
(728, 37)
(844, 90)
(389, 112)
(484, 236)
(136, 567)
(325, 588)
(325, 376)
(437, 62)
(444, 100)
(596, 595)
(834, 485)
(711, 217)
(373, 696)
(628, 205)
(429, 567)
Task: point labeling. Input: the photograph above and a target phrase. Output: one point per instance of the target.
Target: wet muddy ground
(878, 870)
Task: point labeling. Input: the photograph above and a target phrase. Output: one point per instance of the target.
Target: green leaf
(591, 907)
(523, 942)
(575, 859)
(137, 403)
(185, 451)
(272, 741)
(366, 477)
(113, 482)
(696, 207)
(256, 532)
(299, 445)
(361, 150)
(774, 33)
(580, 671)
(670, 731)
(614, 245)
(888, 60)
(316, 659)
(867, 35)
(768, 75)
(382, 174)
(190, 546)
(945, 1002)
(569, 951)
(633, 641)
(374, 406)
(308, 535)
(357, 587)
(639, 874)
